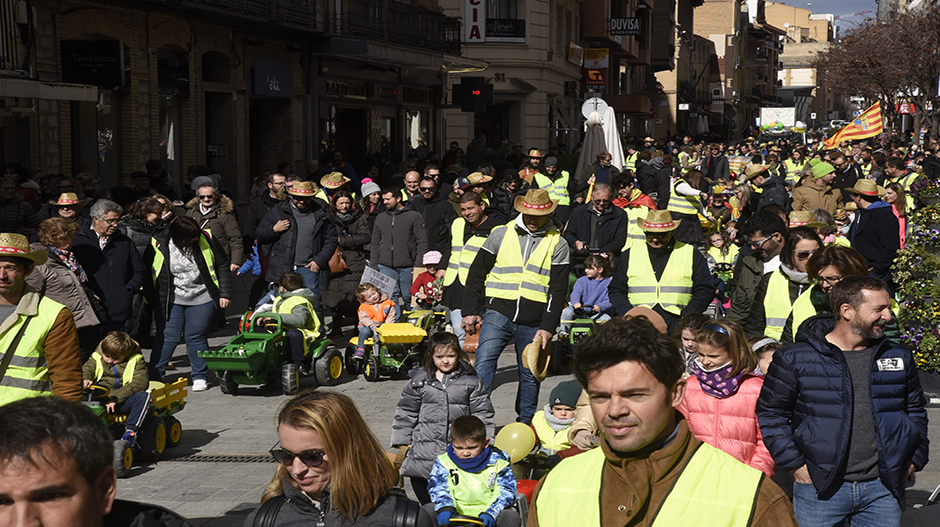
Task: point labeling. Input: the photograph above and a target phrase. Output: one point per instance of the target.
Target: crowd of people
(743, 297)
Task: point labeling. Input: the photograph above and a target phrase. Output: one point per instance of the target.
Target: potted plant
(925, 218)
(927, 190)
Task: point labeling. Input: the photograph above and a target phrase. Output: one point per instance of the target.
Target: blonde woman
(332, 470)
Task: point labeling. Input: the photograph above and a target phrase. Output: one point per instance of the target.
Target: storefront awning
(54, 91)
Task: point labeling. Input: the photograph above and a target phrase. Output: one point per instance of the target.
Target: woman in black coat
(352, 227)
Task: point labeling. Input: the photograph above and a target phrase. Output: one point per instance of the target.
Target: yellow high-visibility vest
(28, 373)
(630, 162)
(548, 437)
(674, 289)
(803, 309)
(682, 204)
(128, 375)
(461, 254)
(571, 492)
(473, 493)
(794, 170)
(205, 247)
(636, 237)
(284, 306)
(557, 189)
(777, 305)
(512, 278)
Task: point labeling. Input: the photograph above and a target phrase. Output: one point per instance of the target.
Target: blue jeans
(568, 316)
(365, 333)
(404, 277)
(495, 333)
(312, 282)
(193, 322)
(456, 317)
(859, 504)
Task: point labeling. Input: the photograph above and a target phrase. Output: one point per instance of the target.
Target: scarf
(794, 275)
(473, 465)
(68, 257)
(716, 382)
(557, 424)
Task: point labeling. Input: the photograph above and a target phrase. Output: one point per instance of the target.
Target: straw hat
(302, 189)
(536, 360)
(477, 178)
(536, 202)
(648, 139)
(17, 245)
(805, 218)
(753, 171)
(535, 153)
(334, 180)
(68, 198)
(658, 221)
(867, 188)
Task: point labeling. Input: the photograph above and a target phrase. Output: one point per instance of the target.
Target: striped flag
(868, 124)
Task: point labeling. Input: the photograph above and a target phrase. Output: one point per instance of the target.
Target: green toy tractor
(261, 355)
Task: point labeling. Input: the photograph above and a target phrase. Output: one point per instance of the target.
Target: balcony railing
(302, 13)
(398, 23)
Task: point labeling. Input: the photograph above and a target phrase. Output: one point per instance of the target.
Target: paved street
(226, 439)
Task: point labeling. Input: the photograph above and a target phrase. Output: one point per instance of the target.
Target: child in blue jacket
(589, 293)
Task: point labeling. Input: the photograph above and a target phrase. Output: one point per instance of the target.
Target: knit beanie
(550, 161)
(821, 169)
(566, 393)
(370, 187)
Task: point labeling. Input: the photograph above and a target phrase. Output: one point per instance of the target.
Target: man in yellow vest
(665, 275)
(516, 288)
(559, 185)
(294, 305)
(466, 237)
(649, 470)
(38, 339)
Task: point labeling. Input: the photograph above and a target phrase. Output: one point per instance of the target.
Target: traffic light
(473, 94)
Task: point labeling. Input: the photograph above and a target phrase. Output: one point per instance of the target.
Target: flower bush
(925, 186)
(917, 272)
(921, 218)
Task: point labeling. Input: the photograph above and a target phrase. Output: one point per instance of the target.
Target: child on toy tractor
(427, 288)
(118, 366)
(375, 309)
(294, 304)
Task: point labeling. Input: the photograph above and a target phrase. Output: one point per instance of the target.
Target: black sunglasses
(311, 458)
(426, 189)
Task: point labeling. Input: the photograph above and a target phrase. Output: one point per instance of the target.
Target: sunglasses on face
(427, 189)
(760, 243)
(804, 255)
(210, 196)
(311, 458)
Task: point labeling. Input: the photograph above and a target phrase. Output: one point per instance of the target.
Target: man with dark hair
(846, 173)
(437, 212)
(765, 232)
(648, 468)
(55, 470)
(716, 165)
(399, 241)
(896, 172)
(843, 410)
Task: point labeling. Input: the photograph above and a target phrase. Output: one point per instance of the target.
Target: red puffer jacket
(729, 424)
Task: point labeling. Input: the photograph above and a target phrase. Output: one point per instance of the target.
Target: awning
(53, 91)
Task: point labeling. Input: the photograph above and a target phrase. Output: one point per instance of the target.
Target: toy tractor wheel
(290, 379)
(123, 458)
(174, 431)
(153, 439)
(352, 365)
(329, 367)
(228, 384)
(371, 370)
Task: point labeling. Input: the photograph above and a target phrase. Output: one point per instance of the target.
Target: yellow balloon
(516, 440)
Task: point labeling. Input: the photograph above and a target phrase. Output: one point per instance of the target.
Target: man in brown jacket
(816, 192)
(648, 468)
(38, 341)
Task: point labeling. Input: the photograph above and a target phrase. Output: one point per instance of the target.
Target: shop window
(416, 131)
(502, 8)
(173, 75)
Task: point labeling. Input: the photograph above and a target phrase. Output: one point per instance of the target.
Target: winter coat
(221, 222)
(428, 407)
(59, 283)
(846, 179)
(298, 510)
(716, 167)
(399, 238)
(611, 229)
(16, 215)
(821, 304)
(118, 394)
(115, 274)
(138, 231)
(876, 234)
(257, 208)
(728, 424)
(646, 177)
(124, 513)
(159, 290)
(354, 233)
(812, 195)
(748, 273)
(805, 409)
(504, 200)
(774, 190)
(282, 244)
(438, 215)
(252, 264)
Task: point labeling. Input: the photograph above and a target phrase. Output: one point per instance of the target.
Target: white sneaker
(200, 385)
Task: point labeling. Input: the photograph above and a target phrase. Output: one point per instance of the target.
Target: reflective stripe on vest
(473, 493)
(777, 305)
(681, 203)
(635, 235)
(557, 189)
(510, 278)
(205, 247)
(642, 288)
(461, 254)
(28, 372)
(630, 162)
(550, 439)
(571, 492)
(284, 306)
(128, 370)
(793, 169)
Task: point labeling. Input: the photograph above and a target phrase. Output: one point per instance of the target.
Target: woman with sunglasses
(331, 470)
(779, 290)
(825, 269)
